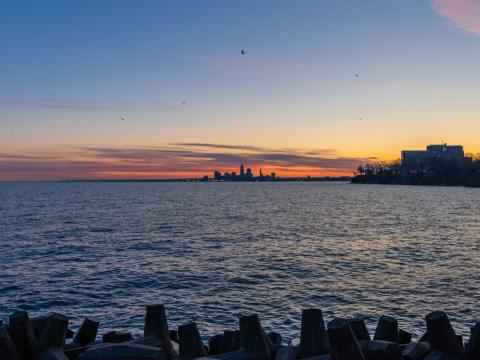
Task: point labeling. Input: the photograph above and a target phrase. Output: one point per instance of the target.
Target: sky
(159, 89)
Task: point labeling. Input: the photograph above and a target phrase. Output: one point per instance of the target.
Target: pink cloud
(463, 13)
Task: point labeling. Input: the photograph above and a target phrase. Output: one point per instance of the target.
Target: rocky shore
(49, 338)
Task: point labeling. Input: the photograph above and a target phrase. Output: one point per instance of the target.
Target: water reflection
(214, 251)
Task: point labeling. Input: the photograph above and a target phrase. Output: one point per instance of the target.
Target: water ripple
(212, 252)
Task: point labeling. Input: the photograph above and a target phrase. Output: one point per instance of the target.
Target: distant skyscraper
(273, 175)
(217, 176)
(261, 174)
(242, 170)
(249, 173)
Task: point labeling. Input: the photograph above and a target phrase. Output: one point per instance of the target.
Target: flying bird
(356, 75)
(121, 118)
(184, 102)
(242, 52)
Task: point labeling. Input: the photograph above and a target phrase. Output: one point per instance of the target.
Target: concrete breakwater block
(254, 343)
(416, 350)
(359, 329)
(87, 332)
(190, 342)
(54, 332)
(52, 354)
(23, 336)
(39, 324)
(275, 338)
(286, 353)
(8, 351)
(313, 335)
(387, 329)
(156, 326)
(73, 352)
(381, 350)
(252, 338)
(435, 355)
(343, 342)
(117, 337)
(214, 344)
(441, 336)
(173, 335)
(52, 340)
(320, 357)
(123, 352)
(341, 339)
(404, 337)
(472, 348)
(230, 341)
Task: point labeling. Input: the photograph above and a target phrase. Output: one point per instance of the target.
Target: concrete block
(359, 329)
(214, 344)
(8, 351)
(313, 335)
(156, 325)
(52, 354)
(23, 336)
(472, 348)
(381, 350)
(190, 341)
(53, 334)
(416, 350)
(123, 352)
(404, 337)
(87, 332)
(441, 335)
(286, 353)
(387, 329)
(117, 337)
(343, 342)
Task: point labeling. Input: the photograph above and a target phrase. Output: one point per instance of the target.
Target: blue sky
(70, 69)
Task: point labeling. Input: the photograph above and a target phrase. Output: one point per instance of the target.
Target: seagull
(184, 102)
(356, 75)
(360, 119)
(121, 118)
(242, 52)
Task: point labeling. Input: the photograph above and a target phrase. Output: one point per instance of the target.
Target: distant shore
(471, 181)
(435, 170)
(288, 179)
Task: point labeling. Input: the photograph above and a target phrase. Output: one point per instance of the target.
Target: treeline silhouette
(430, 171)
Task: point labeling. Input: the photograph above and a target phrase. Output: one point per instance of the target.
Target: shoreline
(376, 182)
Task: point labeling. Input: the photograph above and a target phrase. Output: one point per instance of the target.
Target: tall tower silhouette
(242, 170)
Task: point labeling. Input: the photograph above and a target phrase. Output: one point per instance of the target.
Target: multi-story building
(443, 151)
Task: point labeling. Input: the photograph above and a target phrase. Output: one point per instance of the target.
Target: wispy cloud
(256, 148)
(218, 146)
(179, 160)
(463, 13)
(67, 104)
(49, 104)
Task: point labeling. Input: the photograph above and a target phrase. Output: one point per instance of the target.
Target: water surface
(213, 251)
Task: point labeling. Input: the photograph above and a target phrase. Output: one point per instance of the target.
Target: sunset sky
(191, 103)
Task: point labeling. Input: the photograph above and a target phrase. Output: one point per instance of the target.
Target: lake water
(213, 251)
